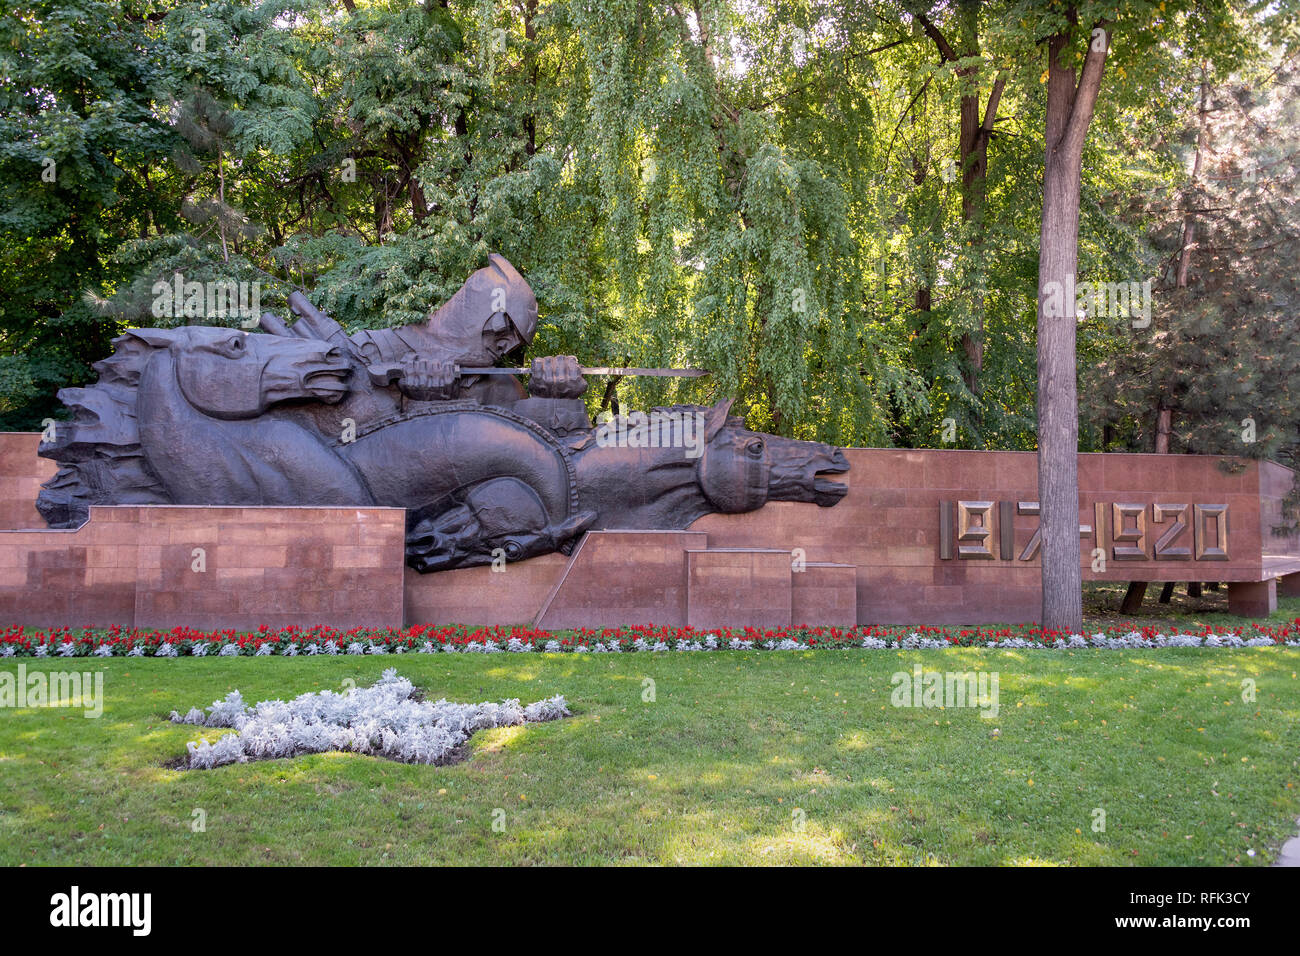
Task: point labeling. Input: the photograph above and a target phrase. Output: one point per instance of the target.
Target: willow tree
(730, 240)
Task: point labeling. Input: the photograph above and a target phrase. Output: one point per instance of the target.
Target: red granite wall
(739, 587)
(21, 475)
(219, 567)
(889, 527)
(823, 593)
(623, 577)
(483, 596)
(876, 557)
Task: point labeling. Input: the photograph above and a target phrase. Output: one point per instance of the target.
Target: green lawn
(743, 757)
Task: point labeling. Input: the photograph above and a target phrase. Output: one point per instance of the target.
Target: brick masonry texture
(874, 558)
(161, 566)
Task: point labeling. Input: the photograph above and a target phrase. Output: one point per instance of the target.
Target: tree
(1071, 99)
(1216, 371)
(79, 142)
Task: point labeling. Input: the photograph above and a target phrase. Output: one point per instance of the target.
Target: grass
(741, 758)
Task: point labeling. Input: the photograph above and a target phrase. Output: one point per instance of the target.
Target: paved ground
(1290, 855)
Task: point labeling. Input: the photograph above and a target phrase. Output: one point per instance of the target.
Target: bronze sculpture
(304, 414)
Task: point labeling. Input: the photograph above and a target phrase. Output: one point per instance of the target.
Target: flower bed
(430, 639)
(383, 720)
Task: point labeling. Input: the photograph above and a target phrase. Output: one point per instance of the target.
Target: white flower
(166, 649)
(194, 716)
(382, 720)
(199, 649)
(103, 650)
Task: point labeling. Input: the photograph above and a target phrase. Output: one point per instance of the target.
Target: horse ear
(716, 419)
(158, 338)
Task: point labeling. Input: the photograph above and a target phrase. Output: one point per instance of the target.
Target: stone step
(825, 594)
(623, 577)
(673, 578)
(738, 587)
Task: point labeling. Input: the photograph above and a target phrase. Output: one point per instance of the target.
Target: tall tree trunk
(1164, 425)
(973, 141)
(1069, 113)
(534, 74)
(1189, 218)
(1164, 413)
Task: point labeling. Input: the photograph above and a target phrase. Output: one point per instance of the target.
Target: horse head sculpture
(741, 470)
(500, 519)
(230, 374)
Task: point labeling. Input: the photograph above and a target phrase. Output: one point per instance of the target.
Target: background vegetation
(790, 194)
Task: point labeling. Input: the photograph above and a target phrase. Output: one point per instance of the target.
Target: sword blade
(386, 373)
(597, 370)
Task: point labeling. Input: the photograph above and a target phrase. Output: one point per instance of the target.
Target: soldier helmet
(497, 287)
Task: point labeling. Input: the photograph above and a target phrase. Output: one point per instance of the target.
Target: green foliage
(1220, 354)
(770, 191)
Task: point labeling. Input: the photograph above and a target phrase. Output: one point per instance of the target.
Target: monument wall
(945, 536)
(204, 567)
(923, 536)
(21, 474)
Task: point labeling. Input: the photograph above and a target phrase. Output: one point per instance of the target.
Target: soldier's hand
(428, 380)
(556, 376)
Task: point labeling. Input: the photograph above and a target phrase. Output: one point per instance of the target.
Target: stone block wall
(160, 566)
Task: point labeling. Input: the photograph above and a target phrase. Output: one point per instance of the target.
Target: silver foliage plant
(383, 720)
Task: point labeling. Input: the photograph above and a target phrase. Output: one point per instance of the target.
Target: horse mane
(99, 449)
